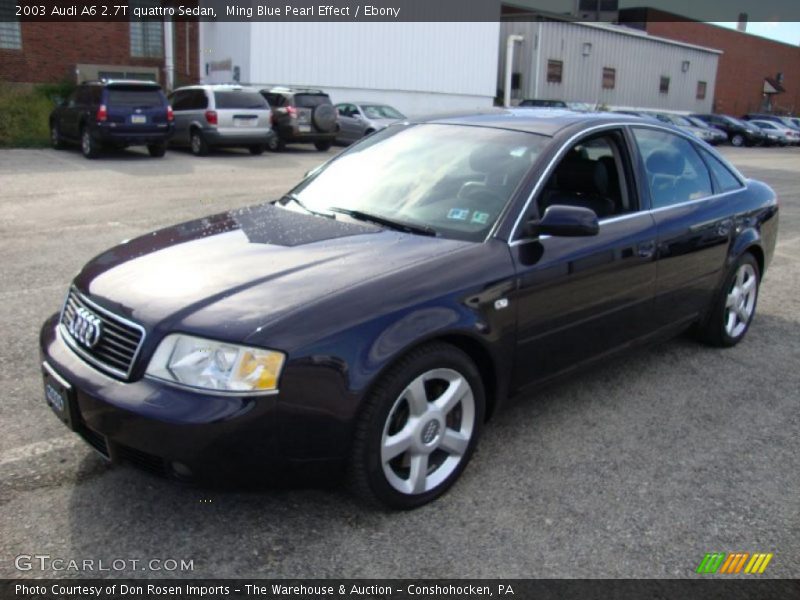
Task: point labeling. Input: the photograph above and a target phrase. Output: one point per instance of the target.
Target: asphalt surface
(635, 469)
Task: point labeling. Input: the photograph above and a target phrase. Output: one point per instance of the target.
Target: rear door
(694, 225)
(70, 114)
(136, 108)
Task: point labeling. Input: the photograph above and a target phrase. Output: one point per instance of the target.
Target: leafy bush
(24, 113)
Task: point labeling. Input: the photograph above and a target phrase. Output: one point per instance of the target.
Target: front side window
(454, 180)
(675, 171)
(555, 71)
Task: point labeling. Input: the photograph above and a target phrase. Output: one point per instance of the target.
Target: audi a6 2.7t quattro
(371, 320)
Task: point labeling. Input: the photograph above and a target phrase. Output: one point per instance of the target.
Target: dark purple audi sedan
(370, 321)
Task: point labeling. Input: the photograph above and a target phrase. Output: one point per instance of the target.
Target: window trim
(636, 157)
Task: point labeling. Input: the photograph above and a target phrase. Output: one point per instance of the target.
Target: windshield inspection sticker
(458, 214)
(480, 217)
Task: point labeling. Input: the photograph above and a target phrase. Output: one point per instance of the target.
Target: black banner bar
(734, 588)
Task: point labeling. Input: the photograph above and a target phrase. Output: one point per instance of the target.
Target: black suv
(301, 115)
(113, 113)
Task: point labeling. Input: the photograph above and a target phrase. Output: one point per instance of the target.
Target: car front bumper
(180, 433)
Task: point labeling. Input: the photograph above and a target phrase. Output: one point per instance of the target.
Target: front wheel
(276, 144)
(323, 146)
(737, 140)
(55, 137)
(735, 306)
(198, 143)
(418, 429)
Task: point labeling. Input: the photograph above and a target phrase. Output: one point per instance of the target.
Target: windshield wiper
(293, 198)
(386, 222)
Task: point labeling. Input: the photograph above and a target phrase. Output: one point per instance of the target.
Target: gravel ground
(635, 469)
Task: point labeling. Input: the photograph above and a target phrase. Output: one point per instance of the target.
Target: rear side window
(675, 171)
(311, 100)
(134, 97)
(726, 180)
(251, 100)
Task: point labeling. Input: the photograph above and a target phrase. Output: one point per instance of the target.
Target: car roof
(531, 120)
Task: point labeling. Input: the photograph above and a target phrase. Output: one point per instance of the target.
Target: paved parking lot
(636, 469)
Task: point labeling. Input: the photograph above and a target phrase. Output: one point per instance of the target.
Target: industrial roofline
(610, 27)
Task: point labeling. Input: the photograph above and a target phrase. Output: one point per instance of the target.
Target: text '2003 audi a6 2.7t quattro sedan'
(370, 321)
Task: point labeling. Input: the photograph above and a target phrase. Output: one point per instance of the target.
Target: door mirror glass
(564, 221)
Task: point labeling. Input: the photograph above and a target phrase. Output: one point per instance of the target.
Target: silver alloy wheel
(741, 301)
(55, 137)
(737, 140)
(86, 142)
(428, 431)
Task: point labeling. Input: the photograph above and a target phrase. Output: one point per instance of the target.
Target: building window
(147, 37)
(609, 78)
(555, 70)
(10, 35)
(664, 85)
(701, 90)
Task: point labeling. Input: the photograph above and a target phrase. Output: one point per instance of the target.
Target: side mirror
(564, 221)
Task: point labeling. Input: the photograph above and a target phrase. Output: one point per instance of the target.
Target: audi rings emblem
(86, 327)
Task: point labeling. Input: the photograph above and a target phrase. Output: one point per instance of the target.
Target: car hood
(243, 269)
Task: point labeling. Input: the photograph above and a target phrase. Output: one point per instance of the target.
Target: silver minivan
(208, 116)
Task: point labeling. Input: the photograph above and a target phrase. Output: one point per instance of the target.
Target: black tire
(198, 143)
(383, 409)
(257, 150)
(276, 144)
(324, 118)
(55, 137)
(90, 147)
(157, 150)
(369, 132)
(737, 139)
(323, 146)
(716, 329)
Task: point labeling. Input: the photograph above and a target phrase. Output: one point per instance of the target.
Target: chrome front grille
(105, 340)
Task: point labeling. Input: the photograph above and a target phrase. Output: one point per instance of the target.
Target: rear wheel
(157, 150)
(257, 149)
(89, 146)
(55, 137)
(323, 146)
(735, 306)
(276, 144)
(418, 429)
(198, 143)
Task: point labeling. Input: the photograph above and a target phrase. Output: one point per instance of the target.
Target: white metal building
(417, 67)
(607, 65)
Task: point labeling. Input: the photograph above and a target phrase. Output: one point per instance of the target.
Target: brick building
(53, 52)
(754, 74)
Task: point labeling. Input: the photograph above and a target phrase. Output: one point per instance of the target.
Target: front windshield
(698, 122)
(453, 179)
(377, 111)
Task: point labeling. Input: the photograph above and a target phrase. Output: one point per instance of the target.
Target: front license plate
(304, 128)
(59, 398)
(138, 119)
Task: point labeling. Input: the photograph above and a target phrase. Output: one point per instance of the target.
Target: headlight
(208, 365)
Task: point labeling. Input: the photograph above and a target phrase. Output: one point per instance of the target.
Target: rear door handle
(646, 249)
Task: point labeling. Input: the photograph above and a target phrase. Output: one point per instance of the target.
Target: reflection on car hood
(246, 268)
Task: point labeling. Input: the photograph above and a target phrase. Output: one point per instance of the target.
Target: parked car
(113, 113)
(371, 320)
(301, 116)
(790, 122)
(717, 134)
(533, 102)
(778, 132)
(682, 123)
(357, 119)
(215, 116)
(739, 134)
